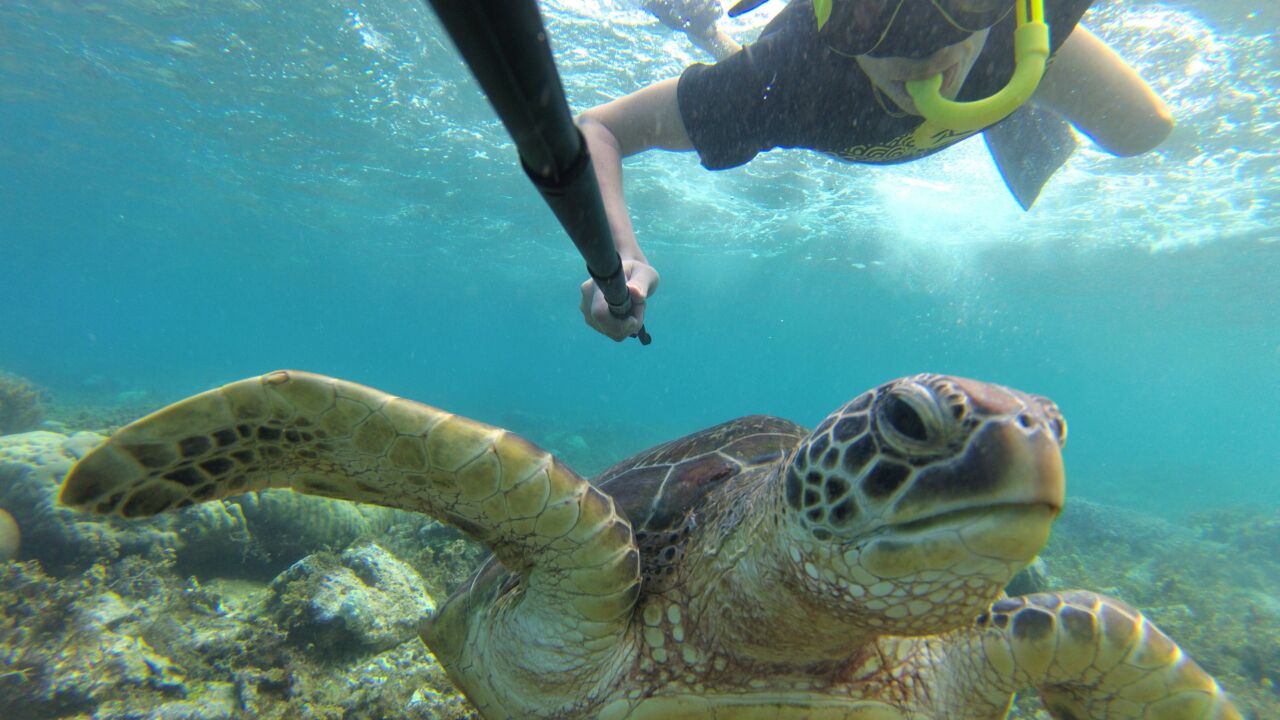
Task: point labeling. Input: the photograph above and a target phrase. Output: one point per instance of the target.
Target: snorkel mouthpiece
(1031, 53)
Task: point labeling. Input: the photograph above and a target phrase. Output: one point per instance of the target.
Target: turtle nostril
(1026, 421)
(905, 419)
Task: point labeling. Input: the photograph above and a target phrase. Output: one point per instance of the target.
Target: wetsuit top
(789, 89)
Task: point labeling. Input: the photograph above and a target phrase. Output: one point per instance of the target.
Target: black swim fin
(1029, 146)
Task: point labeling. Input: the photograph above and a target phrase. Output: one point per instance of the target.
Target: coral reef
(131, 639)
(104, 618)
(362, 599)
(1253, 533)
(103, 419)
(21, 405)
(440, 554)
(260, 534)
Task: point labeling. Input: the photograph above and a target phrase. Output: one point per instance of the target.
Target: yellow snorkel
(1031, 53)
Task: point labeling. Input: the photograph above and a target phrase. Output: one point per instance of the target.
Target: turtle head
(914, 504)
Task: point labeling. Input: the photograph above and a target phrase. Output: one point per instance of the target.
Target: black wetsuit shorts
(790, 90)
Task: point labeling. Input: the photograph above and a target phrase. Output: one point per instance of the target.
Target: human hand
(642, 281)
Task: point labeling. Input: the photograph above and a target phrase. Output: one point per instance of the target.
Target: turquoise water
(196, 192)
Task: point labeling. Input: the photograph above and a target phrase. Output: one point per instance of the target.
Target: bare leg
(1093, 87)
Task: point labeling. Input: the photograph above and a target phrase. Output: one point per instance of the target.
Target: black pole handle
(505, 44)
(615, 287)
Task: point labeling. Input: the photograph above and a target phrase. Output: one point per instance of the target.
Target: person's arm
(1098, 92)
(648, 118)
(715, 41)
(697, 19)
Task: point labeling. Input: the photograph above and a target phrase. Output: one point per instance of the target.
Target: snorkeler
(841, 77)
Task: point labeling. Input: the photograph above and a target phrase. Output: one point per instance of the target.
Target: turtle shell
(662, 490)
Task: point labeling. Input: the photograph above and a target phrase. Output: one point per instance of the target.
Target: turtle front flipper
(574, 553)
(1089, 656)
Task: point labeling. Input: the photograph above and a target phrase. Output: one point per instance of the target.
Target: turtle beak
(1013, 460)
(1032, 410)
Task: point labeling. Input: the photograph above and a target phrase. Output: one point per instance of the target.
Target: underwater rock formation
(65, 648)
(101, 419)
(21, 406)
(104, 619)
(131, 639)
(260, 534)
(363, 599)
(1255, 534)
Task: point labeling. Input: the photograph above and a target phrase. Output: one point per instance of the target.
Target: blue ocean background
(191, 193)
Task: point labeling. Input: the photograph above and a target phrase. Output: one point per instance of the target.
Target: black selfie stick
(505, 44)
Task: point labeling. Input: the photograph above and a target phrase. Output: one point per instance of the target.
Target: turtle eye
(904, 419)
(911, 420)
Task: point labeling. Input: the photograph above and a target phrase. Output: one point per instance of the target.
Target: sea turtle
(751, 570)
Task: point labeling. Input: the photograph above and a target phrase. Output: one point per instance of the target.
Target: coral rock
(21, 408)
(364, 599)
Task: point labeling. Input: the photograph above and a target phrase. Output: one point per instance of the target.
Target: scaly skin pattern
(852, 573)
(1089, 656)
